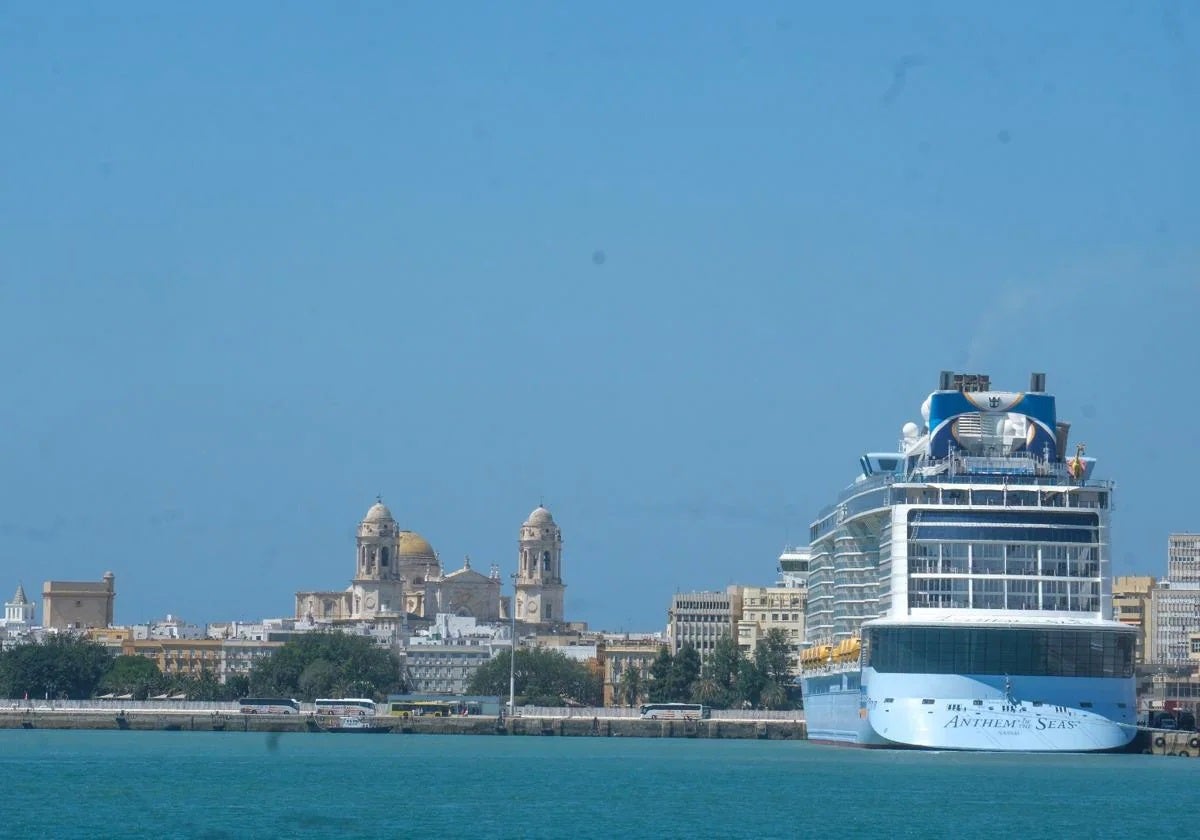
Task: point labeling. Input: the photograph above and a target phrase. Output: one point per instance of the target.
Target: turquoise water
(225, 785)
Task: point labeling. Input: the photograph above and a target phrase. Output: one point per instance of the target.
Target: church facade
(398, 576)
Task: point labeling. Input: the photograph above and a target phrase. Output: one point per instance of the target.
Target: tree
(541, 677)
(631, 684)
(685, 670)
(774, 696)
(773, 657)
(319, 679)
(750, 683)
(59, 666)
(660, 676)
(720, 674)
(237, 686)
(352, 665)
(706, 691)
(134, 675)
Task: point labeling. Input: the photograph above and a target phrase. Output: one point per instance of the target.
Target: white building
(172, 627)
(1175, 603)
(700, 618)
(444, 659)
(18, 620)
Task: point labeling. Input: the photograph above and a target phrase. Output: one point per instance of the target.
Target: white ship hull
(835, 712)
(957, 712)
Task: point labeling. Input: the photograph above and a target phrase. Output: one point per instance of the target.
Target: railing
(128, 705)
(1054, 474)
(616, 712)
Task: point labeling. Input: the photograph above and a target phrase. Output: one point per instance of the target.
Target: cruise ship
(959, 595)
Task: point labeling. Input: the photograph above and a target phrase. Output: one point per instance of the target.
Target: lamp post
(512, 651)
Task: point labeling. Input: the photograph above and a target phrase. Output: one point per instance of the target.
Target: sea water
(60, 784)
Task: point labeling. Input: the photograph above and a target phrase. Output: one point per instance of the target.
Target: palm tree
(708, 691)
(631, 685)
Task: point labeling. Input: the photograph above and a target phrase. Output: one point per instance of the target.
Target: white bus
(269, 706)
(675, 711)
(346, 707)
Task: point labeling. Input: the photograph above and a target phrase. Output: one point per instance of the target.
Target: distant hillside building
(78, 605)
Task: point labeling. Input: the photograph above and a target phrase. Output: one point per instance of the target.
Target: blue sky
(671, 269)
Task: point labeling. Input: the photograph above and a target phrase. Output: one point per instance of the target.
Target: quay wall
(198, 721)
(1168, 742)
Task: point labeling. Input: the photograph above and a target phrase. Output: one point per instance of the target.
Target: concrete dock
(605, 727)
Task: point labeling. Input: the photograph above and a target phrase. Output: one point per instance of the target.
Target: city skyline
(672, 270)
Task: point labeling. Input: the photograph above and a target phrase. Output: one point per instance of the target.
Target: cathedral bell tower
(377, 576)
(377, 545)
(539, 570)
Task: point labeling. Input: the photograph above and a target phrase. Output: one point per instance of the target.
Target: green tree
(204, 686)
(631, 684)
(773, 657)
(750, 683)
(705, 690)
(135, 675)
(541, 677)
(358, 665)
(774, 696)
(720, 675)
(237, 686)
(59, 666)
(660, 676)
(685, 670)
(320, 679)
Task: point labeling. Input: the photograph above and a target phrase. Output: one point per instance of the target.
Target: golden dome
(412, 544)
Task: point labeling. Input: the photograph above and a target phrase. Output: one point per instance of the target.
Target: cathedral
(398, 576)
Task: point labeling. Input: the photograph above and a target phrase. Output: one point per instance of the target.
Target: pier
(147, 720)
(1173, 742)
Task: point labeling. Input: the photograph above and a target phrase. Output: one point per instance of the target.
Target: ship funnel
(1062, 432)
(1037, 384)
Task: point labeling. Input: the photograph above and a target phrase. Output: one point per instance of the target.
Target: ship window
(889, 699)
(996, 651)
(927, 702)
(977, 702)
(1086, 704)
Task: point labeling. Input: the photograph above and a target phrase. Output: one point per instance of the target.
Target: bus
(346, 707)
(675, 711)
(434, 708)
(269, 706)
